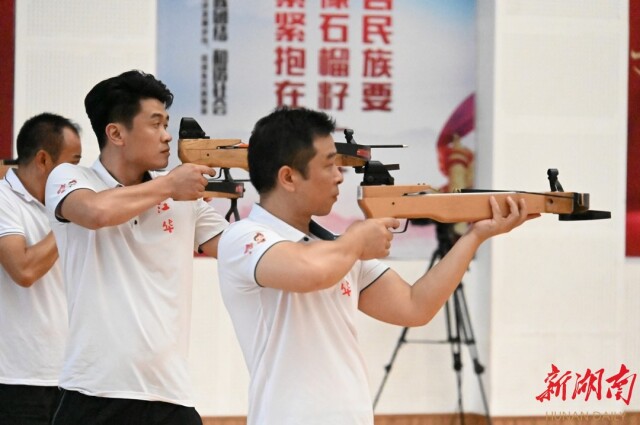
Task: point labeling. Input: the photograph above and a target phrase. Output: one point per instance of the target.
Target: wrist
(164, 185)
(472, 238)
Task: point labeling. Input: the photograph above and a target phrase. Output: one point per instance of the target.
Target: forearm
(310, 267)
(331, 261)
(431, 291)
(25, 264)
(113, 206)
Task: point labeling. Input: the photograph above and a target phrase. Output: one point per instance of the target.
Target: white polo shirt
(301, 349)
(129, 292)
(33, 321)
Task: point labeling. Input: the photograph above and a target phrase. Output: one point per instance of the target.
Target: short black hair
(284, 137)
(117, 99)
(43, 132)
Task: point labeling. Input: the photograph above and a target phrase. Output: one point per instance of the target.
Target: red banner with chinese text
(633, 153)
(395, 72)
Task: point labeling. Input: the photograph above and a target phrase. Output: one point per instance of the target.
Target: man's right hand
(374, 236)
(187, 182)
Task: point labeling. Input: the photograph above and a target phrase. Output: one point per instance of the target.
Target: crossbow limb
(419, 201)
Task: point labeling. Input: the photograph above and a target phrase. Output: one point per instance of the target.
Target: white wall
(63, 48)
(552, 90)
(556, 98)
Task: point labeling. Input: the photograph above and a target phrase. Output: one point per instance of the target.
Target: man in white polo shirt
(293, 297)
(33, 316)
(126, 241)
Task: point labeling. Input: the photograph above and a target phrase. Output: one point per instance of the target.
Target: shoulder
(244, 236)
(5, 189)
(244, 227)
(68, 175)
(71, 169)
(8, 197)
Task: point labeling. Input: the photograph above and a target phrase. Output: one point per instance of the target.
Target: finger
(495, 208)
(514, 211)
(203, 169)
(523, 210)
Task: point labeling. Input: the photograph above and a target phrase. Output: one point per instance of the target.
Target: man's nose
(339, 175)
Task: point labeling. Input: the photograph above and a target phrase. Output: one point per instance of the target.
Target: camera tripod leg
(387, 368)
(468, 338)
(437, 255)
(453, 337)
(459, 330)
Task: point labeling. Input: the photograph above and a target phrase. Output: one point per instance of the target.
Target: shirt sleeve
(370, 271)
(10, 218)
(63, 180)
(209, 223)
(240, 250)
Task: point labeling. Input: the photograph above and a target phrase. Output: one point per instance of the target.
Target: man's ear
(287, 178)
(43, 161)
(114, 132)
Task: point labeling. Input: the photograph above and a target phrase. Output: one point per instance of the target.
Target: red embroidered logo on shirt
(163, 206)
(72, 183)
(167, 225)
(257, 238)
(345, 287)
(62, 188)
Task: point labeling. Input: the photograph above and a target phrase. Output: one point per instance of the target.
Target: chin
(160, 165)
(324, 211)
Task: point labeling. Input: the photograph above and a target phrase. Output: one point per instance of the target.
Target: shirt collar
(262, 216)
(16, 185)
(106, 176)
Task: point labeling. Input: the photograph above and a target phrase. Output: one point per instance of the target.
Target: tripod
(458, 323)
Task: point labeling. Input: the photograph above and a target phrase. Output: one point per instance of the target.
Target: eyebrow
(159, 115)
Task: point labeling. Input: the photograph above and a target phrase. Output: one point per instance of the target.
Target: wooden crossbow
(196, 147)
(377, 195)
(469, 205)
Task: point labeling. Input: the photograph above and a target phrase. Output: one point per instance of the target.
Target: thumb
(203, 169)
(390, 222)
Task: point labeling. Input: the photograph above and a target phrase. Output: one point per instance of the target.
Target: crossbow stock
(377, 195)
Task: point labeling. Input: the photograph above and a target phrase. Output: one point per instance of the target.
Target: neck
(32, 180)
(125, 173)
(286, 211)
